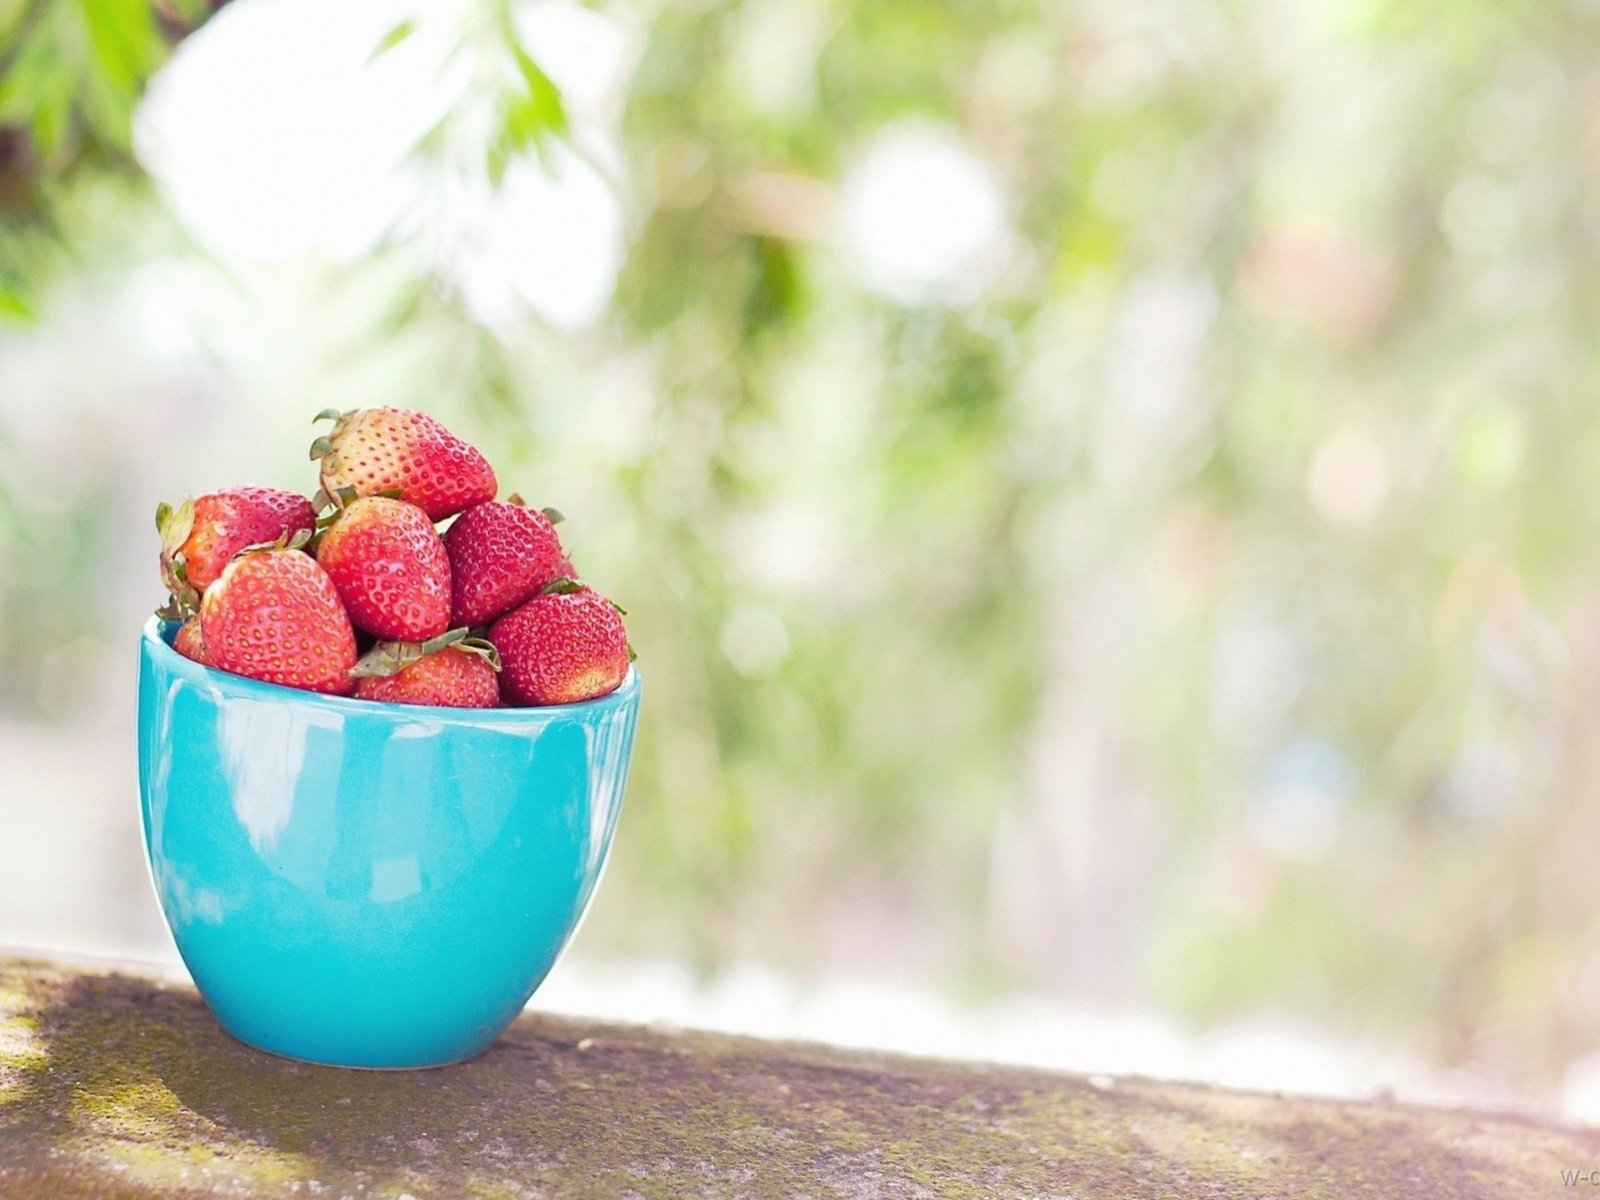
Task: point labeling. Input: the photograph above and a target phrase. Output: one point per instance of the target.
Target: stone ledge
(115, 1085)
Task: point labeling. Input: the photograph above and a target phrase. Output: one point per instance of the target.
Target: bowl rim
(155, 644)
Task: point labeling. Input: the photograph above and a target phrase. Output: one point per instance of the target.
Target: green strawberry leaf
(483, 648)
(554, 515)
(390, 658)
(448, 638)
(563, 586)
(386, 658)
(174, 524)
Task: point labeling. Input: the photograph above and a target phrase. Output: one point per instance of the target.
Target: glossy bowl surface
(364, 884)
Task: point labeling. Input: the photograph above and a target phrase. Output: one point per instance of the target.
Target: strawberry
(201, 535)
(500, 555)
(275, 616)
(373, 450)
(189, 642)
(565, 645)
(457, 674)
(390, 568)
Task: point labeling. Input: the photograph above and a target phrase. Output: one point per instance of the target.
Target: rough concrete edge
(539, 1024)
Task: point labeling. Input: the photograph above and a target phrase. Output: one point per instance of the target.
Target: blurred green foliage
(1195, 601)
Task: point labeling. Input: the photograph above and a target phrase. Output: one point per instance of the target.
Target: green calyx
(175, 609)
(300, 539)
(174, 525)
(329, 507)
(563, 586)
(390, 658)
(554, 515)
(323, 445)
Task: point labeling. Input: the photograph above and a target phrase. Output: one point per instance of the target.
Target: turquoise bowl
(363, 884)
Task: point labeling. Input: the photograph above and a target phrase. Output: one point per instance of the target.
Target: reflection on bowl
(370, 885)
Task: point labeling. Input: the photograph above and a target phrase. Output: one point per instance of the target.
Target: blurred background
(1106, 493)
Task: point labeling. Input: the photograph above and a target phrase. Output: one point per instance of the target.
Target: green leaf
(542, 111)
(392, 39)
(554, 515)
(563, 586)
(529, 117)
(126, 41)
(13, 307)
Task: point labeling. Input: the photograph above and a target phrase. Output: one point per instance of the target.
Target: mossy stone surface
(120, 1086)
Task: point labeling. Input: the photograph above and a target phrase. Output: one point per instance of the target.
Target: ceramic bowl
(364, 884)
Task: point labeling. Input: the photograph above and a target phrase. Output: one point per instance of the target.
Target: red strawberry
(564, 645)
(500, 555)
(460, 675)
(189, 642)
(275, 616)
(390, 567)
(374, 450)
(201, 535)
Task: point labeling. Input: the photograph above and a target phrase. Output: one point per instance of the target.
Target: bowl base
(344, 1066)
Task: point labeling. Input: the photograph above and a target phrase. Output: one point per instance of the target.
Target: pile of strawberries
(369, 599)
